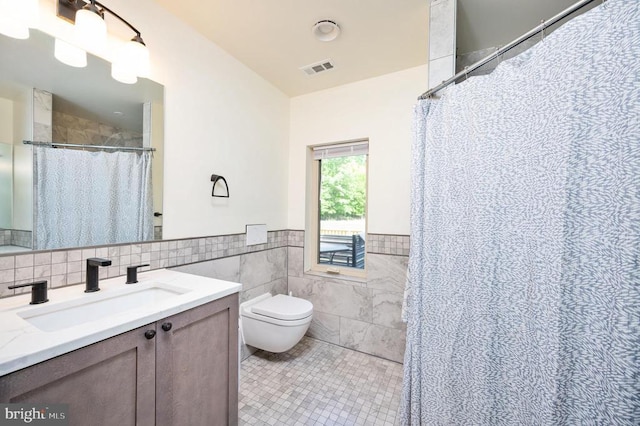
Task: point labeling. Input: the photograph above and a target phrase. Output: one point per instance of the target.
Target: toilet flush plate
(256, 234)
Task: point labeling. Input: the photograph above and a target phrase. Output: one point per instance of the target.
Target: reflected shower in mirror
(43, 100)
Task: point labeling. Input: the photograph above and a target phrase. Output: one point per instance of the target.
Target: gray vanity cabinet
(111, 382)
(187, 374)
(197, 366)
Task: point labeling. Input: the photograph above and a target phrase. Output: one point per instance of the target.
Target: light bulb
(70, 54)
(17, 17)
(123, 73)
(11, 29)
(90, 30)
(136, 55)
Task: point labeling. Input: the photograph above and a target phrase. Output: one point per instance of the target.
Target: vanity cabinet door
(197, 366)
(111, 382)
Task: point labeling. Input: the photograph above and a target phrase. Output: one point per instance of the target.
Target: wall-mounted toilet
(274, 323)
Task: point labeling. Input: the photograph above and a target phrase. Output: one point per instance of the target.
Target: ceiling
(274, 37)
(378, 36)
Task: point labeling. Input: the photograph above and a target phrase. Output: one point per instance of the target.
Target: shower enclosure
(523, 301)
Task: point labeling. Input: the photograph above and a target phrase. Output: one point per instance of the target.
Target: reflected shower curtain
(91, 198)
(523, 297)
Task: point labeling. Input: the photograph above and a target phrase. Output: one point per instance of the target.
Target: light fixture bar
(66, 9)
(129, 62)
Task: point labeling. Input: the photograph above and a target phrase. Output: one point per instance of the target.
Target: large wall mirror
(84, 106)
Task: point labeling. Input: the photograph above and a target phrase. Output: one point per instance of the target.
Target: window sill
(341, 276)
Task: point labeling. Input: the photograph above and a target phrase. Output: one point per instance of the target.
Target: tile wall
(259, 272)
(364, 315)
(42, 124)
(21, 238)
(67, 267)
(442, 40)
(157, 232)
(15, 237)
(69, 128)
(358, 314)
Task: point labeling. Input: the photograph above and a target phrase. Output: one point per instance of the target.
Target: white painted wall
(23, 187)
(220, 117)
(6, 185)
(6, 121)
(380, 109)
(6, 163)
(157, 141)
(23, 160)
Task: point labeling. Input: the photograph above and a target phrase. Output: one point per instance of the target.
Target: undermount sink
(59, 316)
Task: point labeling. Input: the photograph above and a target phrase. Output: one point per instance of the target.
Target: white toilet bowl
(274, 323)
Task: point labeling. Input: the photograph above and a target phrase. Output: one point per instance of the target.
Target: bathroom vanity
(171, 361)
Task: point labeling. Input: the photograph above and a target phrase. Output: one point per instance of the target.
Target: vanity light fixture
(16, 17)
(130, 61)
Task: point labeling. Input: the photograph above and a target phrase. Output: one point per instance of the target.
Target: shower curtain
(91, 198)
(523, 296)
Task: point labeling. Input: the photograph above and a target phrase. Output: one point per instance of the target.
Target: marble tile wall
(364, 315)
(69, 128)
(157, 232)
(67, 267)
(442, 40)
(5, 237)
(15, 237)
(21, 238)
(42, 124)
(259, 272)
(295, 238)
(388, 244)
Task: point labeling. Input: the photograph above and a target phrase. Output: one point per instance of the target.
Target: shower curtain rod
(73, 145)
(540, 28)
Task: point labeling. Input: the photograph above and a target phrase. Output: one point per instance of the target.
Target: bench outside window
(342, 250)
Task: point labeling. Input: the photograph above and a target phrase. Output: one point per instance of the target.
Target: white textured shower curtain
(91, 198)
(523, 302)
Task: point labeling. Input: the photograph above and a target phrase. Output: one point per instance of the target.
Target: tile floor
(317, 383)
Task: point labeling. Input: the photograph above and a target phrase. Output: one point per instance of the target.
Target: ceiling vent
(318, 67)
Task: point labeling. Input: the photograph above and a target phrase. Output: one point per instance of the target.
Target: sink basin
(87, 309)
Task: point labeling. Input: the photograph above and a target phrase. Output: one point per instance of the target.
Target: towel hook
(215, 179)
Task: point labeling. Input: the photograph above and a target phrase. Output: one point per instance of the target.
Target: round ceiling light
(325, 30)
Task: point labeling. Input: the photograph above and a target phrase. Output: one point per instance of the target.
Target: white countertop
(23, 344)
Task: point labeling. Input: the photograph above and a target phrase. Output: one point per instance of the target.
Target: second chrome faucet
(93, 264)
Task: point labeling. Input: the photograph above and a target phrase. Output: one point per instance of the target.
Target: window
(340, 206)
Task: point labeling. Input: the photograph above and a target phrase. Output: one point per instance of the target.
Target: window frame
(312, 228)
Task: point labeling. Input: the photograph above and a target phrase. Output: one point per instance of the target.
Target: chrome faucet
(93, 264)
